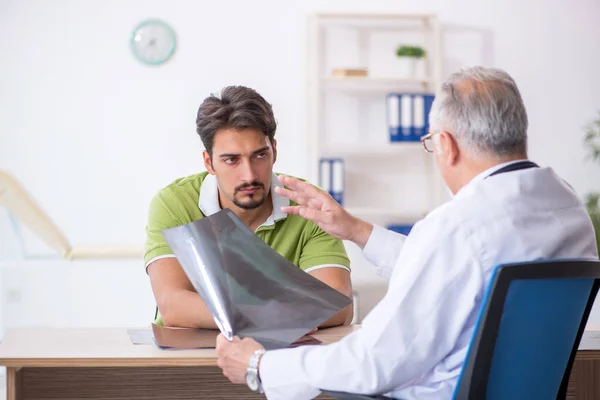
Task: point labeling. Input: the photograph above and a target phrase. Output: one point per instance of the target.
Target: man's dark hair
(237, 107)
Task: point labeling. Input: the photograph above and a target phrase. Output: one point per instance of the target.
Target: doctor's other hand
(319, 207)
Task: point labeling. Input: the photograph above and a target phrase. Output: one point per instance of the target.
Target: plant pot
(410, 67)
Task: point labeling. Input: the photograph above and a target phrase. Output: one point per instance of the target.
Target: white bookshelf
(386, 183)
(346, 115)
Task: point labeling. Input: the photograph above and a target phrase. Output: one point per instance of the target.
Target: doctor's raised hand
(319, 207)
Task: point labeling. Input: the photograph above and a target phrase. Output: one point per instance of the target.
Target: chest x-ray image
(250, 289)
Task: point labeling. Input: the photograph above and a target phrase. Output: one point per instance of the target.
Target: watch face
(252, 381)
(153, 42)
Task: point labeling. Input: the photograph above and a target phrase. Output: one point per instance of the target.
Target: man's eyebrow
(238, 155)
(229, 155)
(261, 150)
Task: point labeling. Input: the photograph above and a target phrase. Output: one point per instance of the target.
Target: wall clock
(153, 42)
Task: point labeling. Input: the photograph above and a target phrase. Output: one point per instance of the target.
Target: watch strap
(253, 367)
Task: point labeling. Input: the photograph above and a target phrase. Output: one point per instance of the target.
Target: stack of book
(408, 116)
(331, 177)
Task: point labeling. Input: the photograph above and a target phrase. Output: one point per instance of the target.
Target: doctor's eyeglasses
(427, 141)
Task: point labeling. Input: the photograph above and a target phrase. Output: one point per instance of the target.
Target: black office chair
(528, 332)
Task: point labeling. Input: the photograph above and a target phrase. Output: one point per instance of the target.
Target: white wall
(93, 133)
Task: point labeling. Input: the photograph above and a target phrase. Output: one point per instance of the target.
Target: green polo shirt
(191, 198)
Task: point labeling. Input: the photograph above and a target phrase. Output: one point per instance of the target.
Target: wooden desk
(584, 382)
(104, 364)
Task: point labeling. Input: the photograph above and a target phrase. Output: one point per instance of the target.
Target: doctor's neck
(470, 167)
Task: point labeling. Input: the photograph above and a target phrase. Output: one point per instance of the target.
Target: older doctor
(505, 209)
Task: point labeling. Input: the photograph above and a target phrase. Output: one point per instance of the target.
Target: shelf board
(367, 16)
(375, 84)
(358, 150)
(419, 22)
(373, 212)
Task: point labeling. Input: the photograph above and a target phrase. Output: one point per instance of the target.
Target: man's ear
(449, 148)
(208, 162)
(274, 150)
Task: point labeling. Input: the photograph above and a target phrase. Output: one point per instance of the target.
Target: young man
(505, 209)
(237, 129)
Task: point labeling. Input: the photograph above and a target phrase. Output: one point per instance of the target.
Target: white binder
(406, 116)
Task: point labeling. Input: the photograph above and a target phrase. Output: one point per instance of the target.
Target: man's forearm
(186, 309)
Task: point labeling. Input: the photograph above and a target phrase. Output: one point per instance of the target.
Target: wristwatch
(252, 378)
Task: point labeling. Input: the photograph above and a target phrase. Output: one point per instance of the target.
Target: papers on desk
(176, 338)
(187, 338)
(590, 340)
(250, 290)
(140, 335)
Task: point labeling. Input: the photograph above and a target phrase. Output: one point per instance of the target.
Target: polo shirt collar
(209, 199)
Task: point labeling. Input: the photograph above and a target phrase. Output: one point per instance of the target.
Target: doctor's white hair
(483, 109)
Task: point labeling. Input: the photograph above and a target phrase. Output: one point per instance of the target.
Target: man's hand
(319, 207)
(234, 356)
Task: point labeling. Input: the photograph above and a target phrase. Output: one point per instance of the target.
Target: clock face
(153, 42)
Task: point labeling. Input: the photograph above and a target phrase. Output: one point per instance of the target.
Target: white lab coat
(413, 343)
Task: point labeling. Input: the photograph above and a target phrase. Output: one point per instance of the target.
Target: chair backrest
(529, 329)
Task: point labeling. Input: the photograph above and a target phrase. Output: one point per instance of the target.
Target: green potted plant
(410, 58)
(592, 200)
